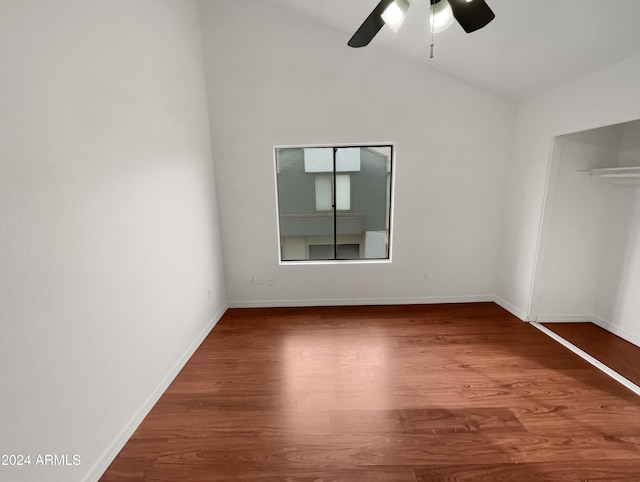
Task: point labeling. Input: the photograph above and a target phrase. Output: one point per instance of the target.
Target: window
(334, 203)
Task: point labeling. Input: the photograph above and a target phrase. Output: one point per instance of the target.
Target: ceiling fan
(472, 15)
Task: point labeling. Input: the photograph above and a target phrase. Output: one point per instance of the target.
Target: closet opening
(588, 265)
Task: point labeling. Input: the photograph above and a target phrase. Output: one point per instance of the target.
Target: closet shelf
(618, 175)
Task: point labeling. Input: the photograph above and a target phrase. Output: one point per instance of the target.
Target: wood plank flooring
(414, 393)
(615, 352)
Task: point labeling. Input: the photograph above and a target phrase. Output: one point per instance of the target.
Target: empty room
(317, 240)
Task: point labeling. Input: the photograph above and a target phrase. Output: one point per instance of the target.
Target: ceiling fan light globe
(441, 16)
(395, 14)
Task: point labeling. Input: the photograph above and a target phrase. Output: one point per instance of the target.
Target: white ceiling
(530, 47)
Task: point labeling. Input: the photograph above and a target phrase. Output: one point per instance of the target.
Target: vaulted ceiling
(532, 46)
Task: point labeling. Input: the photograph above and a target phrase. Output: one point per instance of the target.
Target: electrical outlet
(250, 279)
(269, 280)
(259, 280)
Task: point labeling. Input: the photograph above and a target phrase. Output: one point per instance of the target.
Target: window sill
(335, 262)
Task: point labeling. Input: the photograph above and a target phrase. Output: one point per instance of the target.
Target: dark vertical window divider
(333, 204)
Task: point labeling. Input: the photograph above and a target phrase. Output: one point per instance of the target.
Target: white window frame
(392, 170)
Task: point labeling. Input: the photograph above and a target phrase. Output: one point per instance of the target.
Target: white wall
(108, 229)
(607, 97)
(277, 78)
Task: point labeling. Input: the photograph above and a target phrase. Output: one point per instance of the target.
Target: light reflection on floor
(321, 370)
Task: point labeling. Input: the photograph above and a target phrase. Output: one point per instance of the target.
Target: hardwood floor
(391, 393)
(618, 354)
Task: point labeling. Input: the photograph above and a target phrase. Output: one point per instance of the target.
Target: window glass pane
(300, 223)
(367, 219)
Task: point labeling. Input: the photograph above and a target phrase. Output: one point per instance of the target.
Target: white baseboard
(563, 318)
(510, 308)
(103, 462)
(360, 301)
(616, 330)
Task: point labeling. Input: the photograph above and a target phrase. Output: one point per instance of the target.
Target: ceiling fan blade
(370, 27)
(471, 15)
